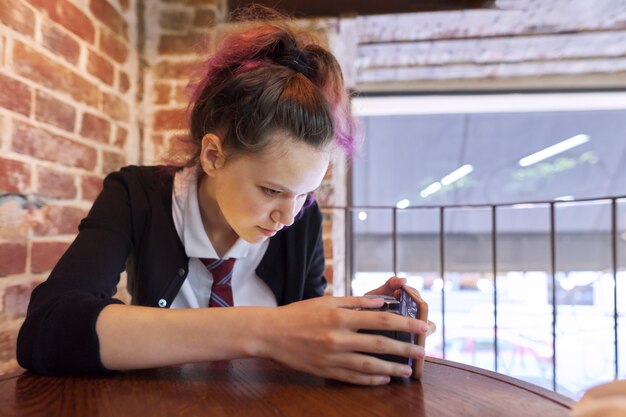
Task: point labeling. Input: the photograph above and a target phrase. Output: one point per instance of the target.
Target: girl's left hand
(391, 287)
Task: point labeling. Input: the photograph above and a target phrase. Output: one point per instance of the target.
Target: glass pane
(524, 308)
(419, 261)
(372, 248)
(468, 287)
(584, 296)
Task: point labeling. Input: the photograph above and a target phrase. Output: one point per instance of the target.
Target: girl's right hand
(319, 336)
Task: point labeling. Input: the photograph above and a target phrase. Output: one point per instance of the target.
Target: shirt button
(181, 272)
(162, 302)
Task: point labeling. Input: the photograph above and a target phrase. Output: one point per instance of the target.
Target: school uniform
(132, 227)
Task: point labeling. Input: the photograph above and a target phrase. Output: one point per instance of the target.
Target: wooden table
(255, 387)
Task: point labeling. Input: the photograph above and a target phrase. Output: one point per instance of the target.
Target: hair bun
(296, 59)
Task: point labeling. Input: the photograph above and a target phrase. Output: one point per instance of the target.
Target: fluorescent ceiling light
(402, 204)
(457, 174)
(554, 150)
(431, 189)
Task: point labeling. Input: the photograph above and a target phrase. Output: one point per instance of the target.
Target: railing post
(349, 257)
(494, 265)
(443, 279)
(614, 262)
(554, 305)
(394, 237)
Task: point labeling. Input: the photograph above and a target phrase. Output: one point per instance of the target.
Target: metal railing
(493, 209)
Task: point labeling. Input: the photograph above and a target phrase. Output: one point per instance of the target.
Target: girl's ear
(212, 155)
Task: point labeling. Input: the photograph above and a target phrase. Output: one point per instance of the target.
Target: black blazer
(130, 227)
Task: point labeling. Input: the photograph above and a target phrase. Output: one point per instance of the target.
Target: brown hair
(269, 77)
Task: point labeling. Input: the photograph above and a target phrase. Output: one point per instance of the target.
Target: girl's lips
(267, 232)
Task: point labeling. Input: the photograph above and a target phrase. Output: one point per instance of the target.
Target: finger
(431, 328)
(357, 302)
(396, 282)
(380, 320)
(379, 344)
(388, 287)
(411, 290)
(370, 365)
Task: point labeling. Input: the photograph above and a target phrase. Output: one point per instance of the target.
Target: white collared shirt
(248, 288)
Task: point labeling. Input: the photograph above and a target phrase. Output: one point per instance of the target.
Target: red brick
(16, 299)
(55, 112)
(328, 248)
(59, 220)
(41, 144)
(100, 68)
(56, 184)
(14, 95)
(107, 14)
(158, 140)
(174, 20)
(12, 258)
(176, 70)
(204, 18)
(44, 255)
(96, 128)
(120, 137)
(14, 176)
(115, 107)
(170, 119)
(59, 42)
(69, 16)
(179, 44)
(327, 225)
(91, 186)
(41, 69)
(182, 95)
(124, 82)
(329, 272)
(162, 92)
(18, 17)
(112, 161)
(111, 45)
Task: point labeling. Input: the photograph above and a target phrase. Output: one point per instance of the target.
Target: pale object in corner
(606, 400)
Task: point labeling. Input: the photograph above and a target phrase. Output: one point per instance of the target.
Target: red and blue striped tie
(221, 291)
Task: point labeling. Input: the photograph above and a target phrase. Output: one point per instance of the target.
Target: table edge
(527, 386)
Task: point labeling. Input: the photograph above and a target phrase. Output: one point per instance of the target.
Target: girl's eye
(270, 191)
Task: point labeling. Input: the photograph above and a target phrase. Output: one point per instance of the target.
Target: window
(511, 186)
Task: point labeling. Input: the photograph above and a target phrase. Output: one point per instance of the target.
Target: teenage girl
(264, 120)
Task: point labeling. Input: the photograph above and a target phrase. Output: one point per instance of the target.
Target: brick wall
(178, 35)
(67, 117)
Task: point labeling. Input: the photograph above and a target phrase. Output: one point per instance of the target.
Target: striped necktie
(221, 290)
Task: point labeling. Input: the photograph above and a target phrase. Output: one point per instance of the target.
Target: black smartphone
(410, 304)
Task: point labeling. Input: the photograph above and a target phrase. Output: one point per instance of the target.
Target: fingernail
(407, 371)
